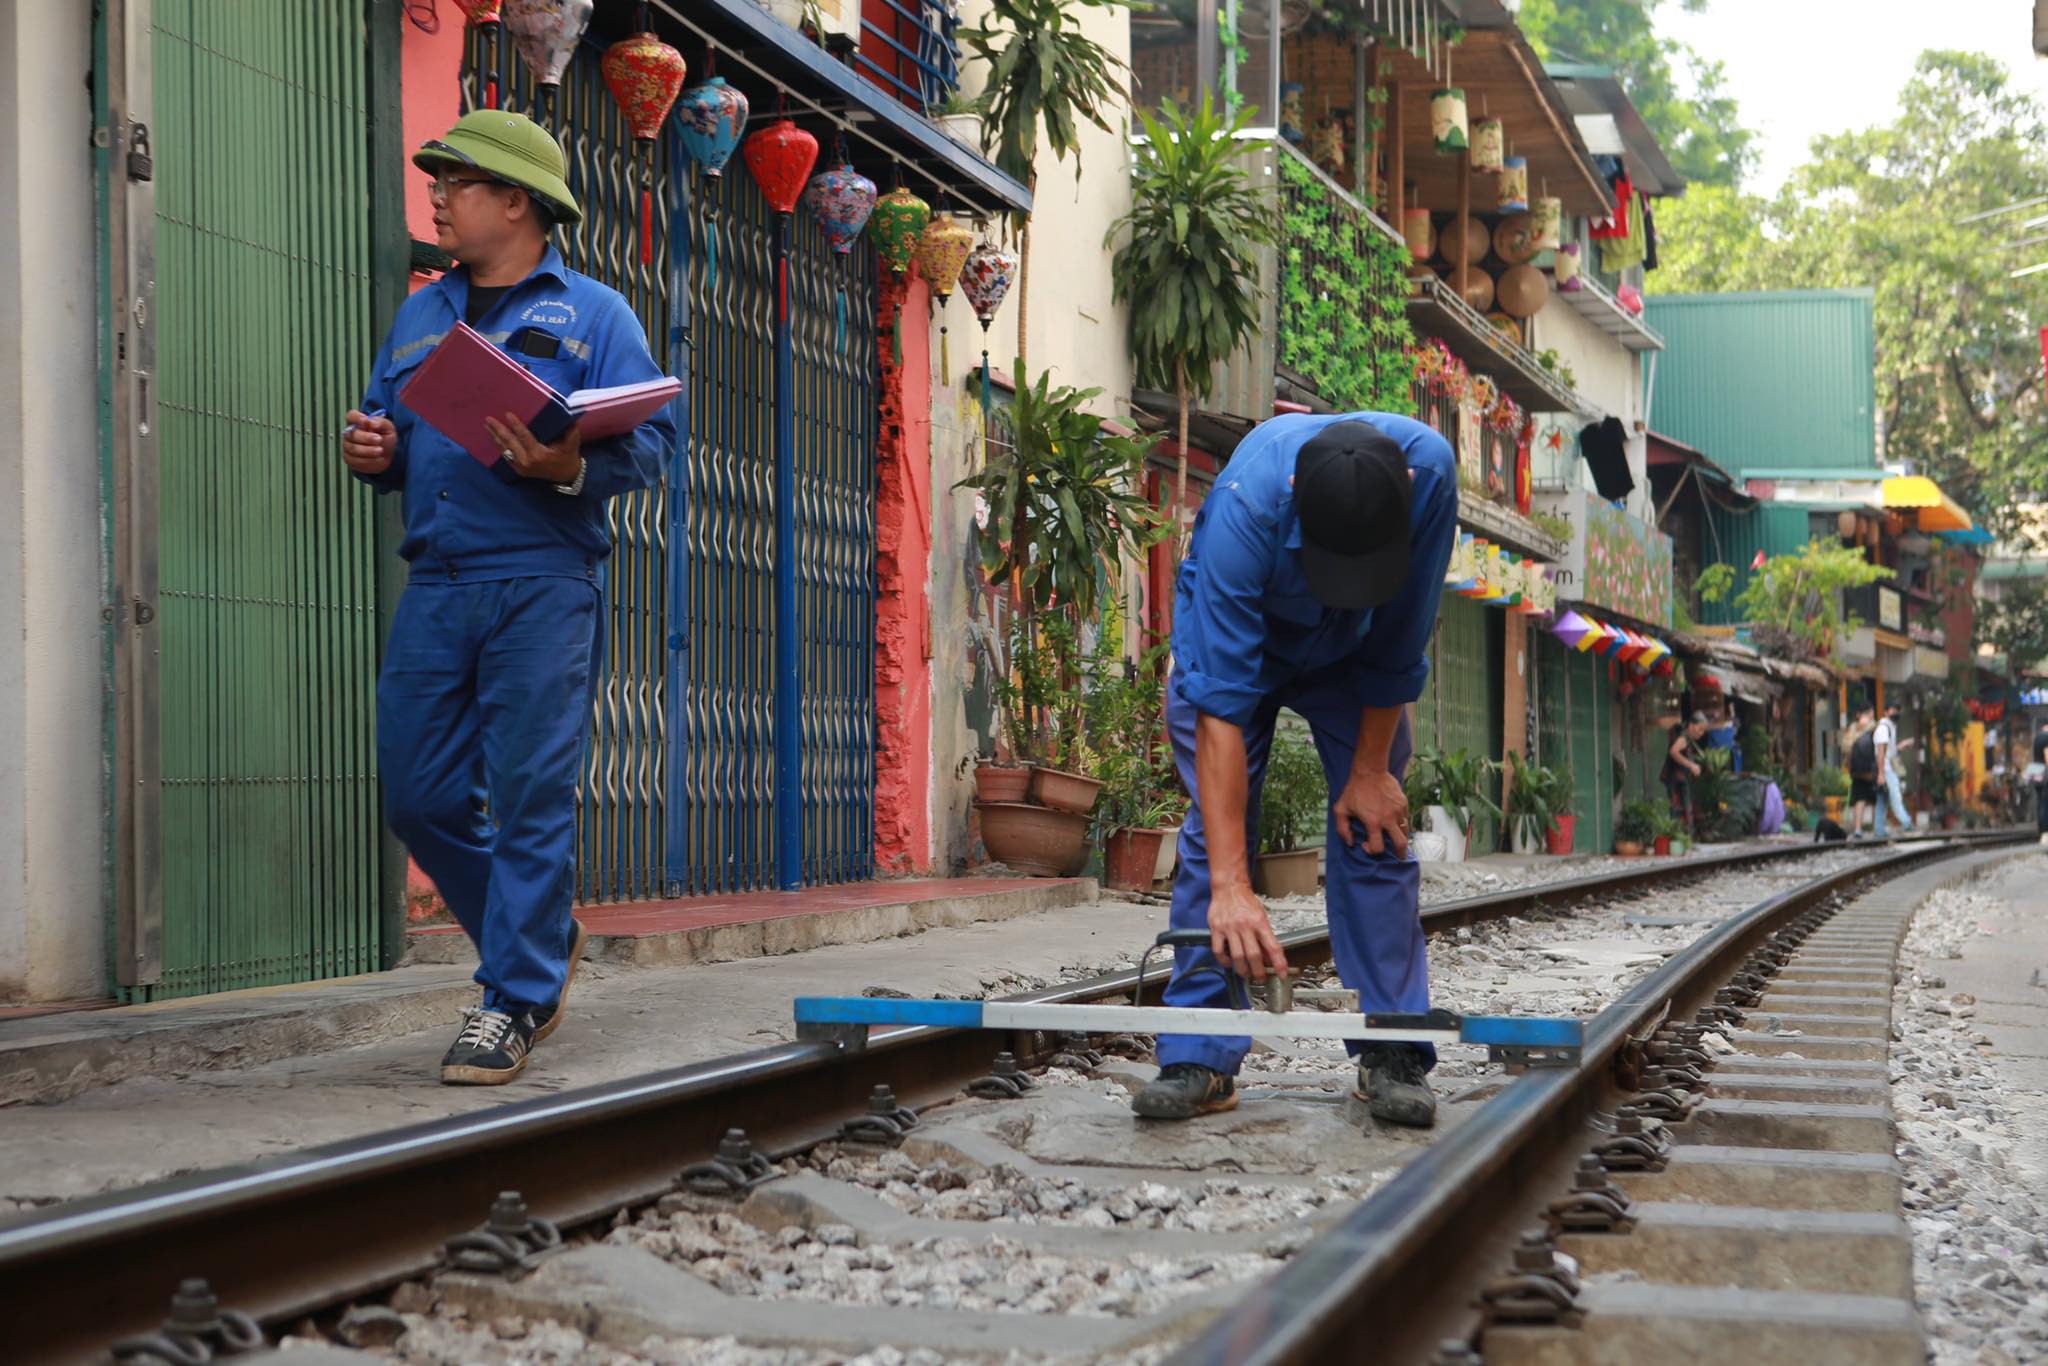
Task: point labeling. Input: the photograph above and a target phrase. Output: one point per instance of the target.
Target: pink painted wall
(903, 543)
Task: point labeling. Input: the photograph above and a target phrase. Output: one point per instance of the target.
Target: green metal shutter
(268, 603)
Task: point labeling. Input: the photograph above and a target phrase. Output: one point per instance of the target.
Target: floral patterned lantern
(842, 199)
(483, 14)
(1546, 222)
(1447, 121)
(985, 280)
(644, 74)
(1514, 185)
(1489, 145)
(546, 33)
(712, 116)
(941, 255)
(781, 156)
(896, 225)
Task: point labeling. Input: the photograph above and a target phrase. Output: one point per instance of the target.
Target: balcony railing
(908, 48)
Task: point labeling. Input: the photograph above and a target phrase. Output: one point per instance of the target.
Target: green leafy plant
(1294, 799)
(1343, 299)
(1187, 266)
(1537, 794)
(1045, 76)
(1550, 360)
(1711, 790)
(1828, 780)
(1793, 604)
(1638, 823)
(1127, 736)
(1942, 777)
(1756, 749)
(1550, 524)
(1457, 782)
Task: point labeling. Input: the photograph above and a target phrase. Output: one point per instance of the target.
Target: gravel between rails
(1571, 963)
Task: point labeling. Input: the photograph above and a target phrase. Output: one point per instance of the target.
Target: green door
(1462, 707)
(267, 605)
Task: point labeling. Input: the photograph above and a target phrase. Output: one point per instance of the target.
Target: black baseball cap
(1352, 491)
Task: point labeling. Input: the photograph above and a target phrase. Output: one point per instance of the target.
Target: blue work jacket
(1246, 626)
(466, 522)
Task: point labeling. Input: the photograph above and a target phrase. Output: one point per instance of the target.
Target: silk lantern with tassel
(711, 116)
(546, 33)
(483, 16)
(985, 280)
(781, 157)
(941, 254)
(841, 200)
(898, 221)
(644, 75)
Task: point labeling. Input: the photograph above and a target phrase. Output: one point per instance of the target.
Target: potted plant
(1667, 831)
(959, 118)
(1294, 803)
(1449, 789)
(1539, 803)
(1027, 836)
(1142, 802)
(1711, 789)
(1831, 785)
(1941, 776)
(1636, 828)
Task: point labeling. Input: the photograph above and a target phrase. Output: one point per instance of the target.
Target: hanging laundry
(1617, 226)
(1619, 253)
(1649, 236)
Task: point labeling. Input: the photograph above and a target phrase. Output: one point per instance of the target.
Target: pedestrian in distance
(1863, 780)
(1311, 583)
(1885, 740)
(1682, 764)
(485, 697)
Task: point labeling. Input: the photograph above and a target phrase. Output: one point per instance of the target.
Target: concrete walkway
(2006, 969)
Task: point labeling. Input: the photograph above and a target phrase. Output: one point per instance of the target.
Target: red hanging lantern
(483, 14)
(644, 75)
(781, 157)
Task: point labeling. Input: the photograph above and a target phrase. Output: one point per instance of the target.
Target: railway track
(304, 1233)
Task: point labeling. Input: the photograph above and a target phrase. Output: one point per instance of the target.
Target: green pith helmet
(511, 147)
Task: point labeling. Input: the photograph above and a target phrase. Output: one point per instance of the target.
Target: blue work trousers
(482, 711)
(1374, 900)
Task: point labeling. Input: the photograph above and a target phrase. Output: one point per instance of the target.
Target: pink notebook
(466, 379)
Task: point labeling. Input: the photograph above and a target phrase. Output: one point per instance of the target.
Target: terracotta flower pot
(1001, 782)
(1290, 874)
(1558, 839)
(1063, 791)
(1034, 840)
(1627, 849)
(1130, 859)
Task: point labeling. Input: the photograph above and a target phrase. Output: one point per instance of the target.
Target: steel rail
(1399, 1271)
(290, 1234)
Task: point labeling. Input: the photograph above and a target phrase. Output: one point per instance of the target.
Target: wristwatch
(575, 486)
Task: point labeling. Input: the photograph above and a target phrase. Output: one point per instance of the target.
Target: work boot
(491, 1049)
(546, 1018)
(1393, 1081)
(1183, 1090)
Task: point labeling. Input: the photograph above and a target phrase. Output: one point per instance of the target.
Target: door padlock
(141, 166)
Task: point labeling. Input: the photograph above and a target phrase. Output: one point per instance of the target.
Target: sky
(1803, 67)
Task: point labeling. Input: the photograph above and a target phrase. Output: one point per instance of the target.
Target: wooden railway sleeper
(198, 1331)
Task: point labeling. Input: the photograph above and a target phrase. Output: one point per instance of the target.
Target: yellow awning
(1937, 511)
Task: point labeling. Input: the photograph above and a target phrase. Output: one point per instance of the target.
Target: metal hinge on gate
(141, 166)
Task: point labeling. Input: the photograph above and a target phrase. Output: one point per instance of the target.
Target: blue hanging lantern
(712, 116)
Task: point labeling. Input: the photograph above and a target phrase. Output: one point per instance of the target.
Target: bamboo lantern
(1568, 269)
(1415, 226)
(1546, 220)
(1447, 121)
(1489, 146)
(1514, 185)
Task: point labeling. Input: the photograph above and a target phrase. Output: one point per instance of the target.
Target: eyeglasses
(439, 188)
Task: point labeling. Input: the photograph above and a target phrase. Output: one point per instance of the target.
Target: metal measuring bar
(1533, 1040)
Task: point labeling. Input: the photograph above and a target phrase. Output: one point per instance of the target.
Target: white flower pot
(1428, 847)
(1169, 852)
(1528, 839)
(790, 12)
(964, 129)
(1440, 823)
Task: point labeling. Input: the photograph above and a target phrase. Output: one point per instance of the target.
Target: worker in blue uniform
(1311, 583)
(485, 698)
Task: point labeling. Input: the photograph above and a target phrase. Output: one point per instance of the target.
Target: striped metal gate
(678, 789)
(266, 605)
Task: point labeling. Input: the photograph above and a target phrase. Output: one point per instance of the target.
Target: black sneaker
(1183, 1090)
(491, 1049)
(546, 1018)
(1394, 1084)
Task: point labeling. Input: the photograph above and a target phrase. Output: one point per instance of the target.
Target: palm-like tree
(1187, 267)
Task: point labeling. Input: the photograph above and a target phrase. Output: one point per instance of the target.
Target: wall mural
(1614, 561)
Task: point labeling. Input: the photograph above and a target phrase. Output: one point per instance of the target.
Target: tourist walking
(1861, 748)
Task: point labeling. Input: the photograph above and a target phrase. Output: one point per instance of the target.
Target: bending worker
(1311, 583)
(485, 697)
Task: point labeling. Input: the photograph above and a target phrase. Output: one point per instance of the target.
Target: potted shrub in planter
(1666, 830)
(1025, 835)
(1831, 786)
(1294, 805)
(1142, 801)
(1636, 828)
(1539, 805)
(1940, 778)
(1449, 789)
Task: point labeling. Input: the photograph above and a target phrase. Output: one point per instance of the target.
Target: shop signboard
(1890, 610)
(1613, 560)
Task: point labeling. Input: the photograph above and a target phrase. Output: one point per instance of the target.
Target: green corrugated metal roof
(1773, 380)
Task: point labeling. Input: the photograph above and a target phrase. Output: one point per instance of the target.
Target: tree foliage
(1793, 604)
(1043, 73)
(1699, 128)
(1959, 381)
(2017, 625)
